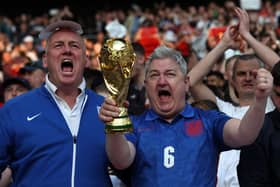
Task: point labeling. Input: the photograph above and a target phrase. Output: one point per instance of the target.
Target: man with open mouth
(52, 136)
(173, 143)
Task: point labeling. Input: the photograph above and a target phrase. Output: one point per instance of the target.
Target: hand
(231, 38)
(108, 110)
(264, 82)
(244, 24)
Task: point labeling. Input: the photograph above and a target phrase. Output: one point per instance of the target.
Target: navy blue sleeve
(5, 142)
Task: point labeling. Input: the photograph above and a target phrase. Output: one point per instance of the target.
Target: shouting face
(166, 87)
(65, 58)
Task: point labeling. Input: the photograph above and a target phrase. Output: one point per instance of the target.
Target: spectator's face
(13, 90)
(244, 79)
(65, 58)
(138, 65)
(276, 97)
(215, 81)
(166, 87)
(37, 78)
(228, 70)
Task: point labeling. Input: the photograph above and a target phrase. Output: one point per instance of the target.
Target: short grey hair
(163, 52)
(246, 57)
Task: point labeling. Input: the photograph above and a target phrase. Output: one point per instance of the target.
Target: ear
(233, 82)
(226, 76)
(87, 61)
(44, 60)
(187, 82)
(187, 79)
(141, 59)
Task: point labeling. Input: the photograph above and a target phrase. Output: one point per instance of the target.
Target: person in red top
(148, 36)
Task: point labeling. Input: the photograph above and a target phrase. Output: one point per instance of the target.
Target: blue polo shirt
(182, 153)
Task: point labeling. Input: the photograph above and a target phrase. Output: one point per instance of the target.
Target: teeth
(67, 60)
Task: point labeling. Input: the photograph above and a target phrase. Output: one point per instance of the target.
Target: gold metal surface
(116, 61)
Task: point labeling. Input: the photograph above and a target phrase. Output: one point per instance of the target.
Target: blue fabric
(183, 153)
(40, 151)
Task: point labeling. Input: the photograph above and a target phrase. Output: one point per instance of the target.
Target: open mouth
(67, 65)
(248, 85)
(164, 94)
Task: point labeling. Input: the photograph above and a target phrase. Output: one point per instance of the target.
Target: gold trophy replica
(116, 61)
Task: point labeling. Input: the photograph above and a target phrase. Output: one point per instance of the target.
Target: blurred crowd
(193, 30)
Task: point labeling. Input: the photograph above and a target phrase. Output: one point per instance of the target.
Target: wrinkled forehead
(65, 37)
(248, 64)
(164, 67)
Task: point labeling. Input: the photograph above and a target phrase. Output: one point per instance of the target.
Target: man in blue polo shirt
(174, 144)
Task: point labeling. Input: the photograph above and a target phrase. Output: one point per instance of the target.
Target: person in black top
(259, 163)
(137, 94)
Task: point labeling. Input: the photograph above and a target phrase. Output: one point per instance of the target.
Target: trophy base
(113, 129)
(120, 124)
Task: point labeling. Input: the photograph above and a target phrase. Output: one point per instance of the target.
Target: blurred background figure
(205, 104)
(13, 87)
(115, 29)
(97, 83)
(148, 36)
(216, 82)
(35, 73)
(137, 92)
(28, 48)
(230, 56)
(259, 162)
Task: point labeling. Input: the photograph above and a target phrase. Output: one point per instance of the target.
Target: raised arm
(203, 67)
(266, 54)
(121, 152)
(244, 132)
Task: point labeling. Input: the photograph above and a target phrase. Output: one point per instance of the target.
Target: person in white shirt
(243, 78)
